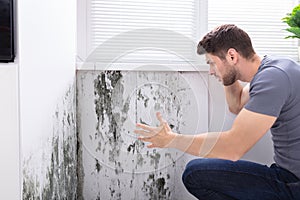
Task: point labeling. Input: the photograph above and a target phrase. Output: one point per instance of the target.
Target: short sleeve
(269, 91)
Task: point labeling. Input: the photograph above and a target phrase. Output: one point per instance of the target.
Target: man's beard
(230, 77)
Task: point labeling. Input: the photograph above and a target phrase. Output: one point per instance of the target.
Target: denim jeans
(242, 180)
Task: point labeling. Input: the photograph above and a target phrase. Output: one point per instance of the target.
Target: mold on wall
(112, 163)
(50, 171)
(155, 187)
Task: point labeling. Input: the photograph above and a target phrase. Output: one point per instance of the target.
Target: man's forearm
(210, 145)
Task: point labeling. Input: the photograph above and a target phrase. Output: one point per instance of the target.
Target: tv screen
(6, 31)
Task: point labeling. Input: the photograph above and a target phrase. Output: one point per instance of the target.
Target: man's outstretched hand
(161, 136)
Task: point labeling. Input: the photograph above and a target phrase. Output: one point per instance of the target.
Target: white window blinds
(261, 20)
(133, 31)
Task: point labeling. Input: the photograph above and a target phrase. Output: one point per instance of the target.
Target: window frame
(83, 41)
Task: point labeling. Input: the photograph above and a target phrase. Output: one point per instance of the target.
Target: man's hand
(237, 96)
(161, 136)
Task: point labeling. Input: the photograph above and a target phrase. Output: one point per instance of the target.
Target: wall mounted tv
(7, 50)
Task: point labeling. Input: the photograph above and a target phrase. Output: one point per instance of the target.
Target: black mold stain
(168, 155)
(61, 175)
(155, 157)
(160, 183)
(79, 168)
(155, 188)
(140, 159)
(171, 126)
(143, 97)
(142, 122)
(30, 187)
(108, 91)
(104, 93)
(98, 166)
(126, 106)
(131, 147)
(113, 193)
(168, 176)
(60, 179)
(118, 168)
(111, 110)
(104, 86)
(135, 146)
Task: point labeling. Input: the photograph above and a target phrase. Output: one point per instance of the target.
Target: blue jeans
(241, 180)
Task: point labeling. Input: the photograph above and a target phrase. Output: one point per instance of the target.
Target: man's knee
(198, 167)
(191, 167)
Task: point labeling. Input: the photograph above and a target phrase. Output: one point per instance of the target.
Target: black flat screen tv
(7, 50)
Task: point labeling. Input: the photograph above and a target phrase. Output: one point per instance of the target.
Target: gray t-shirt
(275, 91)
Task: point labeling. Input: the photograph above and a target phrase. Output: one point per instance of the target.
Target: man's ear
(232, 54)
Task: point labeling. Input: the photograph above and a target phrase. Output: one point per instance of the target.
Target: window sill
(142, 67)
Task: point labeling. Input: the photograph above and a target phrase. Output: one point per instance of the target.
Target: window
(260, 19)
(131, 33)
(134, 32)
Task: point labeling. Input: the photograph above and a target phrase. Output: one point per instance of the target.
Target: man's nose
(212, 71)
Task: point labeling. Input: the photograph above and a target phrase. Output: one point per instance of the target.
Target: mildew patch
(50, 173)
(135, 146)
(156, 188)
(30, 186)
(118, 168)
(98, 166)
(114, 189)
(104, 86)
(79, 154)
(155, 158)
(116, 164)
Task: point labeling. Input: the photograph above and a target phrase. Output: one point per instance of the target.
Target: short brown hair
(224, 37)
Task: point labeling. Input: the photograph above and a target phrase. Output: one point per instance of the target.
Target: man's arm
(247, 129)
(236, 96)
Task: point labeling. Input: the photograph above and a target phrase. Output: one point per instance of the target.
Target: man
(271, 100)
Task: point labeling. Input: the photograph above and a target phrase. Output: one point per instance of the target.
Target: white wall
(9, 134)
(47, 62)
(46, 47)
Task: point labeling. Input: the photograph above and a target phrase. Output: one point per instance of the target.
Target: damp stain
(140, 160)
(155, 188)
(79, 153)
(58, 180)
(118, 168)
(115, 194)
(106, 86)
(154, 159)
(136, 146)
(111, 109)
(98, 166)
(61, 179)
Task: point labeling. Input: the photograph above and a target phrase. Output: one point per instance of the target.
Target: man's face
(221, 69)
